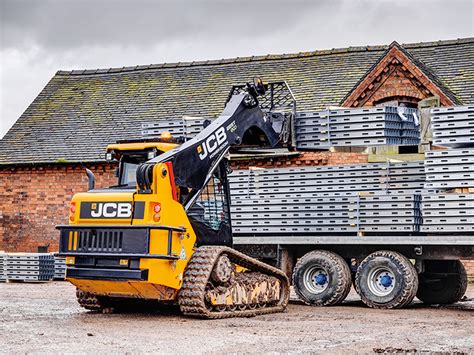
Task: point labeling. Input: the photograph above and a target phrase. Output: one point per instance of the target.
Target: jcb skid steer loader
(168, 236)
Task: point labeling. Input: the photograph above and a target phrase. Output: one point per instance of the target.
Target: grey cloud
(66, 24)
(39, 37)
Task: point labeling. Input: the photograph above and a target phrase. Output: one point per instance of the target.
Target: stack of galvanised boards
(186, 127)
(451, 171)
(357, 127)
(379, 197)
(3, 269)
(30, 267)
(59, 268)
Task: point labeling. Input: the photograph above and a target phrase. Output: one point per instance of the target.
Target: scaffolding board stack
(292, 215)
(453, 126)
(449, 212)
(3, 267)
(387, 213)
(340, 180)
(317, 199)
(30, 267)
(59, 268)
(450, 171)
(357, 127)
(186, 127)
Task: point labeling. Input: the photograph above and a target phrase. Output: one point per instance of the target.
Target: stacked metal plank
(3, 267)
(186, 127)
(357, 127)
(453, 126)
(387, 213)
(392, 178)
(448, 212)
(315, 199)
(59, 268)
(30, 266)
(450, 171)
(452, 168)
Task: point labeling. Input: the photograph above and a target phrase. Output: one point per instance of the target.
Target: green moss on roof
(79, 112)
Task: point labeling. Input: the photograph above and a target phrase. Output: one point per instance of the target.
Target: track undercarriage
(219, 282)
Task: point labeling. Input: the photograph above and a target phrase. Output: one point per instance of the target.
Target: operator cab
(130, 154)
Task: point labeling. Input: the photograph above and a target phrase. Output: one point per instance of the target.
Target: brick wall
(35, 199)
(469, 265)
(305, 159)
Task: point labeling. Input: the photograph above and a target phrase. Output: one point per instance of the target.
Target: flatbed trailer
(395, 267)
(321, 243)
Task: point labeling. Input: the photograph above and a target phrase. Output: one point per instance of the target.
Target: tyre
(322, 278)
(386, 279)
(442, 282)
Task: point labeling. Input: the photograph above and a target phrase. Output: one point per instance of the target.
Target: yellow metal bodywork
(164, 272)
(160, 146)
(165, 277)
(126, 289)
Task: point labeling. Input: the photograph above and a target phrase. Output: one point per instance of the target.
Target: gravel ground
(45, 318)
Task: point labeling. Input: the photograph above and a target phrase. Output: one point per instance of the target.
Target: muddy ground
(46, 318)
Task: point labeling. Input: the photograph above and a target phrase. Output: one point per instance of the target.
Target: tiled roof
(79, 112)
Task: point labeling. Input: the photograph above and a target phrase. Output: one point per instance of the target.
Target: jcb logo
(212, 142)
(111, 210)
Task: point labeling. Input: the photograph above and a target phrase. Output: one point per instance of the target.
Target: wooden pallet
(462, 190)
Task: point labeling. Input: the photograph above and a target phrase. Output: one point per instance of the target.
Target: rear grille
(99, 241)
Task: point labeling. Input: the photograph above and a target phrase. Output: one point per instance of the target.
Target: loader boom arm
(195, 161)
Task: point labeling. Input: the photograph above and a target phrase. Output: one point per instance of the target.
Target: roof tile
(79, 112)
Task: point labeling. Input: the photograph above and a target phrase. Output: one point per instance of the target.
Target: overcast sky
(37, 38)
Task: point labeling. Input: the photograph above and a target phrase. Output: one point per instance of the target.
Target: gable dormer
(397, 77)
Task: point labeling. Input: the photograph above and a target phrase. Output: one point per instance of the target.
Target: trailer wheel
(442, 282)
(386, 279)
(322, 278)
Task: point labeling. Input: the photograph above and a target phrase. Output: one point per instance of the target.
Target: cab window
(128, 174)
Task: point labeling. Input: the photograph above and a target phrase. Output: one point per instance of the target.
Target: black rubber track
(191, 297)
(339, 273)
(90, 301)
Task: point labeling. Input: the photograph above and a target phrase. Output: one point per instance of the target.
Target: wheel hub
(386, 281)
(321, 279)
(316, 279)
(381, 281)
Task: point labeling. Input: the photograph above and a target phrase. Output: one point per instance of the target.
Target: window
(128, 175)
(211, 208)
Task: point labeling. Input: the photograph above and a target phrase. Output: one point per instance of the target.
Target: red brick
(34, 200)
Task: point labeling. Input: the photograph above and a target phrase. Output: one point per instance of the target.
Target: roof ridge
(267, 57)
(446, 42)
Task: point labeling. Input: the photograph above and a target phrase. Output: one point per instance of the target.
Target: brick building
(67, 127)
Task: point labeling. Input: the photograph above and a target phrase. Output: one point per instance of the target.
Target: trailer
(394, 230)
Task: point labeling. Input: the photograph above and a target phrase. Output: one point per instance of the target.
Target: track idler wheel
(222, 271)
